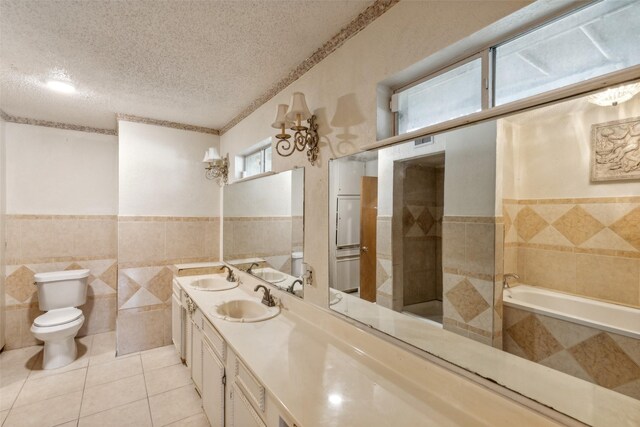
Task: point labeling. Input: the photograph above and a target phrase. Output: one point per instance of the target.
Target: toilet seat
(57, 317)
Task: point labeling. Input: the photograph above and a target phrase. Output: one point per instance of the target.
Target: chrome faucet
(267, 298)
(230, 276)
(250, 269)
(293, 285)
(506, 277)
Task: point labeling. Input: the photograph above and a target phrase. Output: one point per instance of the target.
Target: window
(257, 162)
(598, 39)
(452, 94)
(593, 41)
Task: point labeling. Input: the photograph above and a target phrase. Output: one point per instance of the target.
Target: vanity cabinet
(213, 384)
(196, 349)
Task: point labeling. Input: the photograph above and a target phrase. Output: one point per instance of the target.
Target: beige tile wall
(42, 243)
(472, 277)
(271, 238)
(147, 249)
(587, 247)
(607, 359)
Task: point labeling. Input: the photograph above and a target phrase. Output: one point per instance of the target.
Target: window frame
(489, 109)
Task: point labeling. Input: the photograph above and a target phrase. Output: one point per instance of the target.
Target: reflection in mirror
(263, 228)
(540, 210)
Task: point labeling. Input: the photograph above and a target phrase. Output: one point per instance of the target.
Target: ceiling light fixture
(305, 137)
(60, 86)
(614, 95)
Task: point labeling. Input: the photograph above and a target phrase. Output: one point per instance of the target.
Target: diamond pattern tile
(19, 284)
(467, 301)
(110, 276)
(534, 339)
(160, 284)
(603, 359)
(577, 225)
(127, 287)
(528, 223)
(408, 219)
(425, 221)
(628, 227)
(381, 273)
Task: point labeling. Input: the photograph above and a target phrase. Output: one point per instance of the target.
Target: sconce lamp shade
(281, 117)
(298, 107)
(211, 155)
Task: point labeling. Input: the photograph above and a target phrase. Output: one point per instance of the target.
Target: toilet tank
(61, 289)
(296, 264)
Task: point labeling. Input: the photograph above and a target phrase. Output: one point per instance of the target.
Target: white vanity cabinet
(213, 384)
(196, 349)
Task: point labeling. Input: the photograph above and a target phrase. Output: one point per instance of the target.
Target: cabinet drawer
(215, 340)
(250, 385)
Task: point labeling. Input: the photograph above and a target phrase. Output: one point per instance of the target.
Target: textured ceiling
(193, 62)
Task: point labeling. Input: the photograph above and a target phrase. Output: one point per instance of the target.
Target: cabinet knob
(364, 249)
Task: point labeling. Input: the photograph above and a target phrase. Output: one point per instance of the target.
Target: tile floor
(150, 388)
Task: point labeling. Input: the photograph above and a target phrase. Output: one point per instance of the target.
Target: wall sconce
(305, 137)
(216, 167)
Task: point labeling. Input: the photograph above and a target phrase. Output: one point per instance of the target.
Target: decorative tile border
(31, 216)
(474, 219)
(370, 14)
(46, 123)
(575, 201)
(168, 218)
(166, 123)
(559, 248)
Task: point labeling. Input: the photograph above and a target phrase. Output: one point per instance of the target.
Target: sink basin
(244, 311)
(269, 275)
(213, 284)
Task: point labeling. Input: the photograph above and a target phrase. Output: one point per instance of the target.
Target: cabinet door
(176, 323)
(243, 413)
(196, 349)
(212, 386)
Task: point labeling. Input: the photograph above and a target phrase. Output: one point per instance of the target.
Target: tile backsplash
(588, 247)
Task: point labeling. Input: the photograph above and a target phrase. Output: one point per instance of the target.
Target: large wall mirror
(521, 234)
(263, 229)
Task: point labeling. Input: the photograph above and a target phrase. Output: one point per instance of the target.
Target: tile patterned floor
(150, 388)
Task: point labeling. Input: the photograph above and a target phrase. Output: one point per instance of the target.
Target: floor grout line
(144, 379)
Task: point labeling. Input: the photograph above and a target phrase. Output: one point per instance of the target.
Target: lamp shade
(298, 106)
(281, 117)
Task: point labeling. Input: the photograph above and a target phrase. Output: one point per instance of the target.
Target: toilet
(59, 294)
(296, 264)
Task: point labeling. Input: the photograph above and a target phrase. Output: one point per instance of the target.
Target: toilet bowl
(59, 293)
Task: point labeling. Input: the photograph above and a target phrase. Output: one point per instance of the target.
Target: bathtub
(607, 317)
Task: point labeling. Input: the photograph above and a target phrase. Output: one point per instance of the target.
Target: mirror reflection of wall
(263, 228)
(548, 200)
(571, 206)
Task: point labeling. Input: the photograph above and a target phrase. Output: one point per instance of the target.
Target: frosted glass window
(591, 42)
(253, 163)
(258, 161)
(455, 93)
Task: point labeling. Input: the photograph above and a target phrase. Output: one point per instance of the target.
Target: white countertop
(324, 381)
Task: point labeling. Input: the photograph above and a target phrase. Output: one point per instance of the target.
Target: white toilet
(59, 293)
(296, 264)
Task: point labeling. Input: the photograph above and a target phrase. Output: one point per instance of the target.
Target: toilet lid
(57, 317)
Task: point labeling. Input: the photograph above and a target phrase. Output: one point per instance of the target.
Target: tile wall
(588, 247)
(472, 275)
(148, 246)
(422, 234)
(607, 359)
(272, 238)
(42, 243)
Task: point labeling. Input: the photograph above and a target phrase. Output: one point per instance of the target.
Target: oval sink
(213, 284)
(244, 311)
(271, 276)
